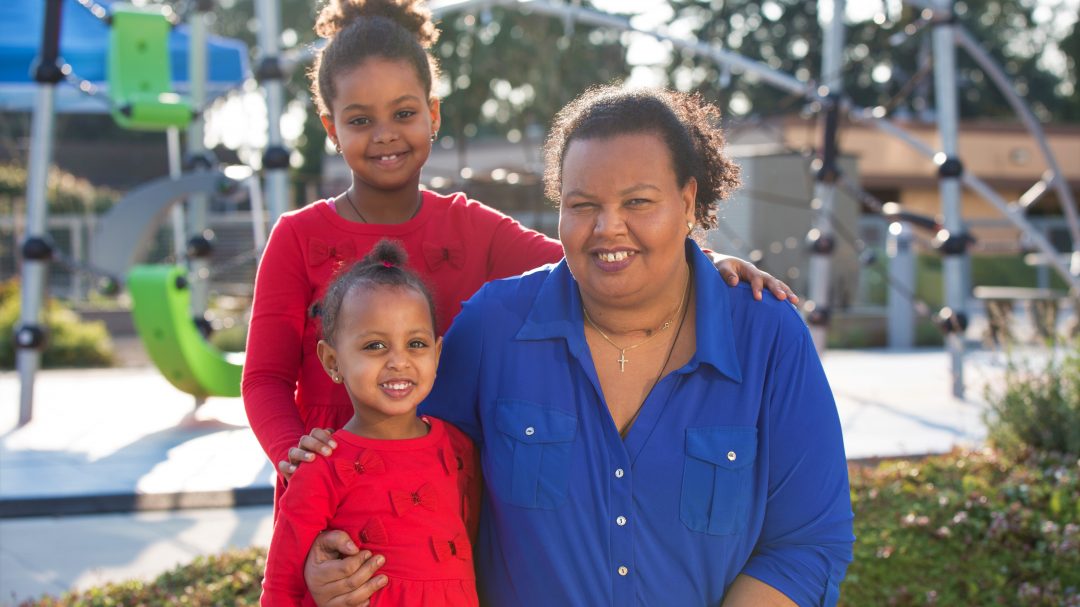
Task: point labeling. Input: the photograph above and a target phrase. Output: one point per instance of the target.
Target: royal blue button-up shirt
(735, 463)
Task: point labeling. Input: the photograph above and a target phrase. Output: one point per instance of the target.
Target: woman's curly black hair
(384, 266)
(357, 30)
(686, 122)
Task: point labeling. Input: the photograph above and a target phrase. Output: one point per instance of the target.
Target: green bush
(967, 528)
(233, 578)
(66, 193)
(71, 342)
(1039, 408)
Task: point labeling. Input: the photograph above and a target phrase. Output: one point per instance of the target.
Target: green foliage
(65, 192)
(1039, 408)
(233, 578)
(71, 342)
(786, 36)
(966, 528)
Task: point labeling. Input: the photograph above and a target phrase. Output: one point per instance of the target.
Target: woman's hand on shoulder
(337, 573)
(733, 269)
(319, 441)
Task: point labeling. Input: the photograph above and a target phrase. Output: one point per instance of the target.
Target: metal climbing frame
(948, 34)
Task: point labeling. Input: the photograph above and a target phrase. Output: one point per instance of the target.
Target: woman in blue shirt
(636, 449)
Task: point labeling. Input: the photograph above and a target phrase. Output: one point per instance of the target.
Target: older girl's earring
(434, 136)
(689, 226)
(337, 146)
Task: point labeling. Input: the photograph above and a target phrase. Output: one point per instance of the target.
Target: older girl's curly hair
(685, 122)
(357, 30)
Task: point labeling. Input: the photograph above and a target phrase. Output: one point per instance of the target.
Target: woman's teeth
(613, 257)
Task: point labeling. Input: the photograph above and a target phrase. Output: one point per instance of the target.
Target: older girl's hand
(337, 573)
(318, 441)
(733, 269)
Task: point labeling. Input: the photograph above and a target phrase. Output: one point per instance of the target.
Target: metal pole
(821, 240)
(30, 335)
(176, 168)
(275, 158)
(955, 239)
(901, 285)
(198, 205)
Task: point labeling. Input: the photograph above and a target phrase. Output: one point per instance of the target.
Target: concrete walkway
(124, 439)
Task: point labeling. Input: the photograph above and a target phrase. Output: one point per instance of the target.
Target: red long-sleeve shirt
(455, 244)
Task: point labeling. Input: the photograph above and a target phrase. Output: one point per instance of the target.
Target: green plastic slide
(139, 71)
(160, 307)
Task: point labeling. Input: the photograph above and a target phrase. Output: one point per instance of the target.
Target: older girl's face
(623, 218)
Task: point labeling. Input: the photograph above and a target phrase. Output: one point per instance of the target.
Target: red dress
(414, 501)
(455, 244)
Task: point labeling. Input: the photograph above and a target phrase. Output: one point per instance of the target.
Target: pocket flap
(727, 446)
(532, 423)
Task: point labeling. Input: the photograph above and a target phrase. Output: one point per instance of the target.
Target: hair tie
(388, 264)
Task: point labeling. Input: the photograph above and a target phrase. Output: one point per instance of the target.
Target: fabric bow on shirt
(438, 254)
(319, 250)
(425, 497)
(368, 462)
(456, 547)
(374, 532)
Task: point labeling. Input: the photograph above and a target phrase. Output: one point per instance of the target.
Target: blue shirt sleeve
(807, 537)
(456, 395)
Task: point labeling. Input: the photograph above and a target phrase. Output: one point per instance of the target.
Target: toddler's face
(386, 350)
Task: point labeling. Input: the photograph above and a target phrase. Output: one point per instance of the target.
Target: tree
(785, 35)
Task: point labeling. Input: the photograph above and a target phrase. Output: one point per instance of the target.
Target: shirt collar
(556, 312)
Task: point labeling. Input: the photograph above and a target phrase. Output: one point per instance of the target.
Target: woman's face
(623, 217)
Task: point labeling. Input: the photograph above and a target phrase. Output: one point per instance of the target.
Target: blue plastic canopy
(84, 45)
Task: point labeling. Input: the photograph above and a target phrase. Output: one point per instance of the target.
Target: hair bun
(412, 15)
(387, 253)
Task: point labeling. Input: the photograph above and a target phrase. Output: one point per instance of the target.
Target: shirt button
(731, 456)
(620, 521)
(618, 473)
(623, 570)
(530, 431)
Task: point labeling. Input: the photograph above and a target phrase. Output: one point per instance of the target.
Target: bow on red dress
(438, 254)
(374, 532)
(319, 251)
(447, 548)
(368, 462)
(425, 497)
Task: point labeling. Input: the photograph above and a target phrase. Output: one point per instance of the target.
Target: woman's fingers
(318, 441)
(334, 580)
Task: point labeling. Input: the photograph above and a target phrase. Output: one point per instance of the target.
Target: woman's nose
(609, 222)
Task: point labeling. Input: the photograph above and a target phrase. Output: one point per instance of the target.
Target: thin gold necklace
(622, 360)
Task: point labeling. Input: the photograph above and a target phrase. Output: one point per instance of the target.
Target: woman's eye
(636, 202)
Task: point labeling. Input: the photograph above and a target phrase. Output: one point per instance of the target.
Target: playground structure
(953, 240)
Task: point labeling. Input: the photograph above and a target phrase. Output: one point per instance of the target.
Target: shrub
(71, 342)
(966, 528)
(65, 192)
(1039, 408)
(233, 578)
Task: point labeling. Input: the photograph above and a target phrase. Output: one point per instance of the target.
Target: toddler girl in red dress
(404, 486)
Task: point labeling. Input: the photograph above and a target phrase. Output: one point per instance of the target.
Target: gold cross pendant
(622, 361)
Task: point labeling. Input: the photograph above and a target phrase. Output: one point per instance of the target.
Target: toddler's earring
(434, 136)
(334, 377)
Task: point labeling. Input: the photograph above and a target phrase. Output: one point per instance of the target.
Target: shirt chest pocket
(529, 457)
(718, 478)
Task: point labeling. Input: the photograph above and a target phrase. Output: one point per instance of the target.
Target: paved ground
(124, 438)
